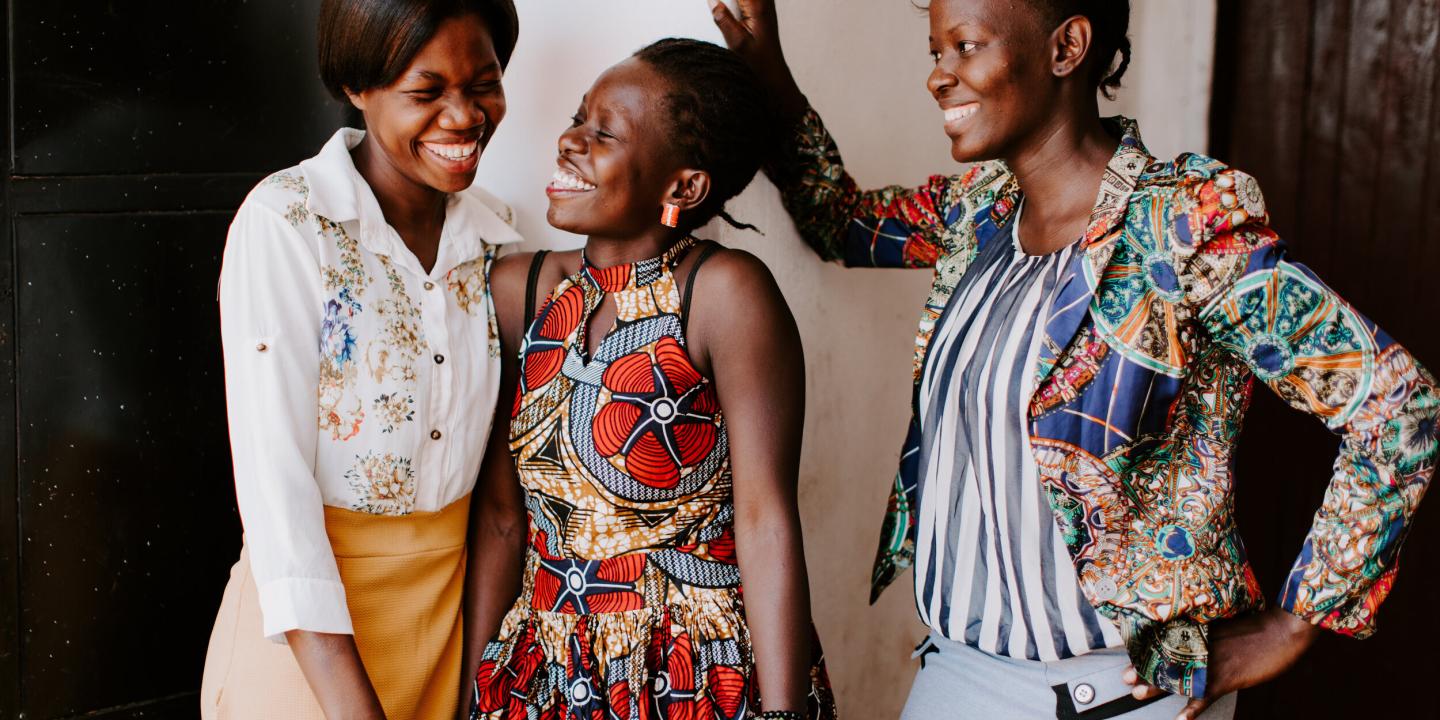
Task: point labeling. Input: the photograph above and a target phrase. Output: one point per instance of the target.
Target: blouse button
(262, 347)
(439, 358)
(429, 285)
(434, 434)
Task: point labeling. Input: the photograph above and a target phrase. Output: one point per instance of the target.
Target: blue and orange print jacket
(1181, 296)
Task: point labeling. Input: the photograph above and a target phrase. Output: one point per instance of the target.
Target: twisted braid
(721, 122)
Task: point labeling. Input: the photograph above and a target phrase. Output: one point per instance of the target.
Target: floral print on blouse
(354, 377)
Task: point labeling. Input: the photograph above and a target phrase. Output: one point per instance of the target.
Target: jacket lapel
(1077, 288)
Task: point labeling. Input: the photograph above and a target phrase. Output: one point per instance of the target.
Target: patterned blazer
(1181, 295)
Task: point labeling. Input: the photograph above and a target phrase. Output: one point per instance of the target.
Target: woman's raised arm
(891, 227)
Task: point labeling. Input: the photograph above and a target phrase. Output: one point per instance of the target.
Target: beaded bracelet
(781, 715)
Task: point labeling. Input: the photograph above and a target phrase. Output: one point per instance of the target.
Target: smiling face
(433, 122)
(614, 170)
(993, 74)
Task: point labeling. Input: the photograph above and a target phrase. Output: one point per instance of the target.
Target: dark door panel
(125, 493)
(1333, 106)
(208, 86)
(133, 132)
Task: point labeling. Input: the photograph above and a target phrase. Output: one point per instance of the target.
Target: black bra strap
(530, 283)
(690, 284)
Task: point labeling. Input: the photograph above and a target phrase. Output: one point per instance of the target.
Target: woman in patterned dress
(655, 429)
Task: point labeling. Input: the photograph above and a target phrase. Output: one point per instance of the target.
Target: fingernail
(1130, 676)
(714, 5)
(1138, 692)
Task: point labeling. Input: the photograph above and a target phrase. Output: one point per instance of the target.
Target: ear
(689, 189)
(356, 99)
(1070, 43)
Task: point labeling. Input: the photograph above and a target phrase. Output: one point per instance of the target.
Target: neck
(409, 207)
(603, 252)
(1061, 167)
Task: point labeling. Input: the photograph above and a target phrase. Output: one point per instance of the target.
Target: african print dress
(631, 605)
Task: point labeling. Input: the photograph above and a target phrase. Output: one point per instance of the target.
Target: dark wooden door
(1334, 105)
(134, 131)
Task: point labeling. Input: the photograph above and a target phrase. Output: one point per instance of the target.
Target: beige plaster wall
(863, 63)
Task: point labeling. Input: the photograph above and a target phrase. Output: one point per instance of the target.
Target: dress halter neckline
(641, 272)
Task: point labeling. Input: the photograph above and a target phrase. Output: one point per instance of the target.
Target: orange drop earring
(670, 215)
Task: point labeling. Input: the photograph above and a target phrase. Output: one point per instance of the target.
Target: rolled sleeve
(270, 326)
(303, 604)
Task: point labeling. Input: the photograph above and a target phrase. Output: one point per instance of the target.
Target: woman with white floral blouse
(362, 369)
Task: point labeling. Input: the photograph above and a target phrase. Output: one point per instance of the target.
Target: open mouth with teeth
(565, 181)
(460, 156)
(956, 114)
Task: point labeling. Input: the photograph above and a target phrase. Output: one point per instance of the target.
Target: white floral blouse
(353, 378)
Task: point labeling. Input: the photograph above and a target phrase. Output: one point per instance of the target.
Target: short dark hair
(1110, 21)
(720, 120)
(366, 44)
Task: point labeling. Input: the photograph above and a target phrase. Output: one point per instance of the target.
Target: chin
(557, 220)
(459, 183)
(963, 152)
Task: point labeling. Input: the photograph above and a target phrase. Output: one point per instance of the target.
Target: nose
(572, 141)
(461, 113)
(941, 81)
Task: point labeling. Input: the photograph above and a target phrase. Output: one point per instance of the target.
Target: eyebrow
(437, 77)
(613, 113)
(964, 20)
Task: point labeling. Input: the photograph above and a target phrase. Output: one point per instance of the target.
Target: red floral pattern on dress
(504, 688)
(545, 343)
(672, 690)
(569, 585)
(661, 414)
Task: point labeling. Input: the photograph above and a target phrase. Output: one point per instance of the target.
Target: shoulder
(274, 221)
(735, 272)
(493, 203)
(736, 289)
(737, 313)
(279, 194)
(1209, 216)
(511, 273)
(1211, 207)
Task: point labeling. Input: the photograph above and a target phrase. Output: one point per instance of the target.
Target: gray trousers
(959, 682)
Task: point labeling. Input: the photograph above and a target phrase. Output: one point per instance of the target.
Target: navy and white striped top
(991, 569)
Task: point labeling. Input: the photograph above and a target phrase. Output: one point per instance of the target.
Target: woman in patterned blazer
(1082, 368)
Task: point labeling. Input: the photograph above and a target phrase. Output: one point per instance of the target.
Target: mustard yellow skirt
(404, 578)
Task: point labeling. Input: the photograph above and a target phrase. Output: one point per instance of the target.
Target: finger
(1142, 691)
(1130, 676)
(731, 28)
(1193, 709)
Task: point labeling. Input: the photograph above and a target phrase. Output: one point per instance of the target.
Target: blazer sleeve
(1323, 357)
(893, 227)
(271, 328)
